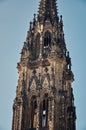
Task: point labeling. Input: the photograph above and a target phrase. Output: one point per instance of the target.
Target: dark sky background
(15, 16)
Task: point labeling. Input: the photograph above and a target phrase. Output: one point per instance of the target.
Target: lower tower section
(44, 99)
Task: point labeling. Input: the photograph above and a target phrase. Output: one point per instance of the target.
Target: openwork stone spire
(44, 95)
(47, 11)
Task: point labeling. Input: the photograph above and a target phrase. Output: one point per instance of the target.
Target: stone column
(37, 113)
(19, 125)
(50, 113)
(17, 115)
(41, 42)
(14, 120)
(53, 113)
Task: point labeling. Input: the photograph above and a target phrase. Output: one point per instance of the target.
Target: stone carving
(44, 96)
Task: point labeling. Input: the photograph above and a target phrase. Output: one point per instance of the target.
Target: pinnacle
(47, 10)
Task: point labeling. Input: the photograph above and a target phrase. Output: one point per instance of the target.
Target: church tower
(44, 96)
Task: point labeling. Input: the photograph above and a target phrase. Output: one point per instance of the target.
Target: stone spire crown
(48, 10)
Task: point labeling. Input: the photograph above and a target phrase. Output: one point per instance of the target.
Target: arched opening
(37, 45)
(47, 39)
(44, 112)
(33, 112)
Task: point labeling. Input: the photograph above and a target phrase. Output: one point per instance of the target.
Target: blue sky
(15, 16)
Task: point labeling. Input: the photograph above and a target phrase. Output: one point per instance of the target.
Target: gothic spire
(47, 11)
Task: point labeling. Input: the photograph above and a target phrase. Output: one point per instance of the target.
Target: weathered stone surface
(44, 96)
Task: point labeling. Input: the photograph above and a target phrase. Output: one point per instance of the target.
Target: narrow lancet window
(47, 39)
(37, 45)
(34, 113)
(45, 112)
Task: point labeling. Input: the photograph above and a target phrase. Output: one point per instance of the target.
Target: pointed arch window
(45, 111)
(33, 112)
(37, 45)
(35, 48)
(47, 39)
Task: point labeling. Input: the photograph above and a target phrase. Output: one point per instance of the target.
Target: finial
(68, 61)
(68, 54)
(34, 20)
(30, 25)
(61, 22)
(34, 16)
(61, 17)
